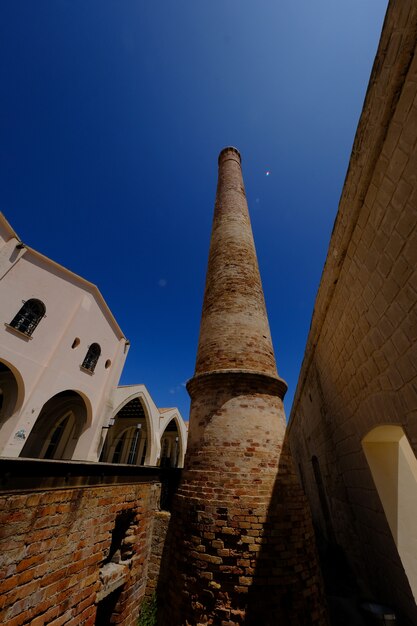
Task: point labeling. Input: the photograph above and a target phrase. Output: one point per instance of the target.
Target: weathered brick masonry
(74, 542)
(243, 550)
(159, 535)
(158, 567)
(360, 365)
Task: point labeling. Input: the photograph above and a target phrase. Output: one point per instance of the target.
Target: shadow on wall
(282, 562)
(11, 392)
(58, 427)
(287, 561)
(8, 392)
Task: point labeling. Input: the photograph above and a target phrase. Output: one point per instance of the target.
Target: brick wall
(241, 538)
(67, 553)
(360, 365)
(234, 330)
(159, 535)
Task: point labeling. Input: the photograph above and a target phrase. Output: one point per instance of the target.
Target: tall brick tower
(241, 536)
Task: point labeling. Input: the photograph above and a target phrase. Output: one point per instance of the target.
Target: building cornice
(390, 68)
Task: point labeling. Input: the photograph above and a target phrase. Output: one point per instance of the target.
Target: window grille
(29, 316)
(91, 358)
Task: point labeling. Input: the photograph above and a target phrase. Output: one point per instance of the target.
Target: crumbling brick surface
(234, 331)
(53, 544)
(240, 540)
(244, 542)
(159, 533)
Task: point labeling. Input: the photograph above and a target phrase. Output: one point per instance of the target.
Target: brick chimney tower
(242, 544)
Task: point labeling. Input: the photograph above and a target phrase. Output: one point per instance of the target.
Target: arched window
(56, 436)
(29, 316)
(134, 445)
(91, 358)
(119, 449)
(165, 460)
(170, 445)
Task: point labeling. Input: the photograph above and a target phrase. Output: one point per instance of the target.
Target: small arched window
(29, 316)
(91, 358)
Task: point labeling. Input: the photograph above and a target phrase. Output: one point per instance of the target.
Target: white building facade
(61, 356)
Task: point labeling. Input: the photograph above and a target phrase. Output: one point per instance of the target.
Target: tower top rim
(230, 149)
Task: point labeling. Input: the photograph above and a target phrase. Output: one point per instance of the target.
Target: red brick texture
(240, 339)
(53, 544)
(159, 533)
(243, 539)
(241, 535)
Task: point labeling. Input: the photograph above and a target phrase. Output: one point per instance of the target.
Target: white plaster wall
(393, 467)
(46, 364)
(46, 361)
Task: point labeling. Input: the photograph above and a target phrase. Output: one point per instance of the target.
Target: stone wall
(360, 366)
(159, 535)
(74, 542)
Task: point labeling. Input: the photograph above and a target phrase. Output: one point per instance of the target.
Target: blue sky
(112, 114)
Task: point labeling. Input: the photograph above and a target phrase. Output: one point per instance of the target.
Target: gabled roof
(91, 287)
(8, 228)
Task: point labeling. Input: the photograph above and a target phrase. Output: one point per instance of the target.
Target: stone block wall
(360, 366)
(76, 554)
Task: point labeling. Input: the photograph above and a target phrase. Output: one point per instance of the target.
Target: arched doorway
(170, 445)
(9, 393)
(58, 427)
(393, 467)
(127, 439)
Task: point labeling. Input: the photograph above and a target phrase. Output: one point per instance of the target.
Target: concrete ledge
(263, 381)
(112, 576)
(34, 474)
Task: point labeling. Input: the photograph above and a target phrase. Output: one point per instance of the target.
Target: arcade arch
(58, 427)
(129, 437)
(170, 445)
(11, 391)
(8, 392)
